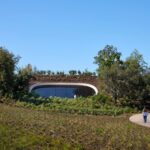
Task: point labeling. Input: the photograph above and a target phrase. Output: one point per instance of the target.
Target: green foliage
(12, 83)
(88, 73)
(96, 105)
(115, 81)
(7, 67)
(100, 99)
(109, 69)
(21, 84)
(106, 57)
(72, 72)
(135, 71)
(126, 81)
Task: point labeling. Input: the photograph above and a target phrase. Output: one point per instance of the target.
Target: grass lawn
(22, 128)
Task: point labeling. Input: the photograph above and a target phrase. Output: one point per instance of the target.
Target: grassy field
(27, 129)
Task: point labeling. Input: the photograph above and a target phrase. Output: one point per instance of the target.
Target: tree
(49, 72)
(146, 77)
(114, 81)
(8, 63)
(136, 63)
(26, 70)
(21, 83)
(72, 72)
(109, 69)
(123, 80)
(135, 70)
(86, 72)
(79, 72)
(106, 57)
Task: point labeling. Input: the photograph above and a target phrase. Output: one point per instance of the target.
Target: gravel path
(138, 119)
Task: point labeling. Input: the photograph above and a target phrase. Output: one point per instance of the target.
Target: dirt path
(138, 119)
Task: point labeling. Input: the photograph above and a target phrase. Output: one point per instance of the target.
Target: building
(64, 86)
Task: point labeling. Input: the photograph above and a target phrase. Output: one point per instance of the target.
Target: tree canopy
(123, 80)
(8, 62)
(107, 57)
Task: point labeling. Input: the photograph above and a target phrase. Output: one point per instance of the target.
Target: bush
(96, 105)
(99, 100)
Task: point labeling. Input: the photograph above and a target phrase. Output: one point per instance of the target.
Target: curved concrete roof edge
(63, 83)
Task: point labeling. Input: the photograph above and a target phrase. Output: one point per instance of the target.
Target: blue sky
(61, 35)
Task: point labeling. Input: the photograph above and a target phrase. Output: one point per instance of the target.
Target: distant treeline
(34, 71)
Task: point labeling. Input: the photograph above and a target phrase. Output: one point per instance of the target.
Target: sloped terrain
(22, 128)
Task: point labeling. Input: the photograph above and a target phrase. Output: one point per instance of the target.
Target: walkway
(138, 119)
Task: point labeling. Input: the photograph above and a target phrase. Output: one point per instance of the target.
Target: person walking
(145, 114)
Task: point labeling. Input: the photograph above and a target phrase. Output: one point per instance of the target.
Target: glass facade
(63, 91)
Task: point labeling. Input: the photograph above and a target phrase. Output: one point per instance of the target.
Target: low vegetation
(22, 128)
(96, 105)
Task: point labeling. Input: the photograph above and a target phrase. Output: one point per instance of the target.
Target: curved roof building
(63, 89)
(66, 86)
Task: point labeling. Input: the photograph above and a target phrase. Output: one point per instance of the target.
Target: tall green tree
(8, 62)
(109, 69)
(114, 80)
(127, 79)
(135, 70)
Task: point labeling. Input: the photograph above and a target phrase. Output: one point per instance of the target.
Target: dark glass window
(63, 91)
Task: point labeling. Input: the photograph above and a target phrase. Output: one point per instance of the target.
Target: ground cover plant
(22, 128)
(95, 105)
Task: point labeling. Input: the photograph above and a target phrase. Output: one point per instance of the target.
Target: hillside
(22, 128)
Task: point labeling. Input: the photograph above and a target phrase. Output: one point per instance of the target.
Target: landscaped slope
(22, 128)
